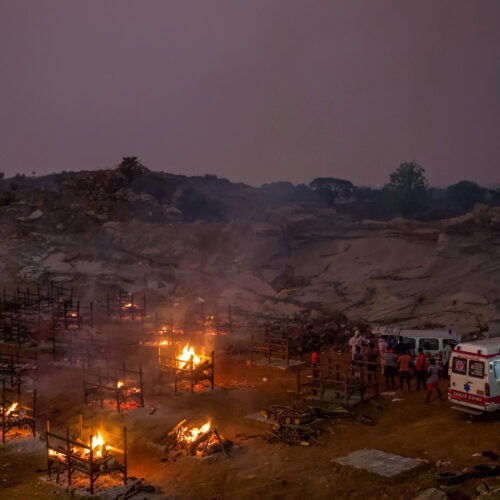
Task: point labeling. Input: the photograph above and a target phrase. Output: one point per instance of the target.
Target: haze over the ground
(252, 91)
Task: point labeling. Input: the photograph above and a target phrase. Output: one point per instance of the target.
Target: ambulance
(474, 376)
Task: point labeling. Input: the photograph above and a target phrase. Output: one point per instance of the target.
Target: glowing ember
(187, 355)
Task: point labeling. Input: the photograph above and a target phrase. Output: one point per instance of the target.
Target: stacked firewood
(287, 414)
(341, 413)
(303, 436)
(180, 440)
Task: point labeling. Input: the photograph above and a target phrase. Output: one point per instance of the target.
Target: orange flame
(190, 434)
(11, 408)
(186, 356)
(97, 445)
(119, 384)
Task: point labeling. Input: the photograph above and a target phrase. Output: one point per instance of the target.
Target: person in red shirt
(404, 360)
(315, 359)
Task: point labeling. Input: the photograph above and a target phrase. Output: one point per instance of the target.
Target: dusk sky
(255, 91)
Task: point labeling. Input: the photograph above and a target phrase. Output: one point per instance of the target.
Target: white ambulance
(474, 374)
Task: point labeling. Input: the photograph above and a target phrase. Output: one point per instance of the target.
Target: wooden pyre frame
(339, 377)
(14, 369)
(70, 454)
(185, 370)
(126, 306)
(23, 417)
(104, 386)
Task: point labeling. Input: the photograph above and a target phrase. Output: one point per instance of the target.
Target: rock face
(267, 258)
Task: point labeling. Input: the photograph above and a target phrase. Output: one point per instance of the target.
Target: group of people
(395, 359)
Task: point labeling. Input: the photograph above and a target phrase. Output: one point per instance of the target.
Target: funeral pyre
(93, 458)
(299, 426)
(188, 366)
(194, 441)
(117, 387)
(16, 416)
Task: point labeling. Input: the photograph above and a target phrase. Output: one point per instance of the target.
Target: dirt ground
(444, 439)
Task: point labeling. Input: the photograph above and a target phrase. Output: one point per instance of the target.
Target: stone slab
(379, 462)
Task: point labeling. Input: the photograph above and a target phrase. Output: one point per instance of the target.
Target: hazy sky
(253, 90)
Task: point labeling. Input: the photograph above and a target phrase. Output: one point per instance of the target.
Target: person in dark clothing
(389, 368)
(404, 361)
(400, 347)
(358, 361)
(371, 362)
(420, 369)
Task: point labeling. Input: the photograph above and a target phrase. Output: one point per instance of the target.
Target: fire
(190, 434)
(11, 408)
(97, 441)
(187, 355)
(119, 384)
(97, 445)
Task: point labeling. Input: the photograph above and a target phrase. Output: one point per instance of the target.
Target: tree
(330, 188)
(131, 167)
(407, 188)
(464, 195)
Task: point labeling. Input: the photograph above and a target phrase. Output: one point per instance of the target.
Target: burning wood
(93, 458)
(122, 388)
(82, 450)
(196, 441)
(188, 358)
(187, 367)
(15, 416)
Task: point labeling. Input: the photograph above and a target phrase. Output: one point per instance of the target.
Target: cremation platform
(379, 462)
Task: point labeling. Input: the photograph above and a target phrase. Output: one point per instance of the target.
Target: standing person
(447, 349)
(359, 360)
(371, 361)
(420, 369)
(382, 348)
(433, 372)
(389, 368)
(354, 342)
(400, 346)
(315, 359)
(404, 360)
(315, 364)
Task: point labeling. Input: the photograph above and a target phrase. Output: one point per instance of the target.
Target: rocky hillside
(276, 251)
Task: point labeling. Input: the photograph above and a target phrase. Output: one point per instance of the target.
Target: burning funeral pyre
(15, 416)
(93, 458)
(117, 387)
(188, 366)
(195, 441)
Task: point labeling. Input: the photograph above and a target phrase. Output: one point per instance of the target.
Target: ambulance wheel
(451, 477)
